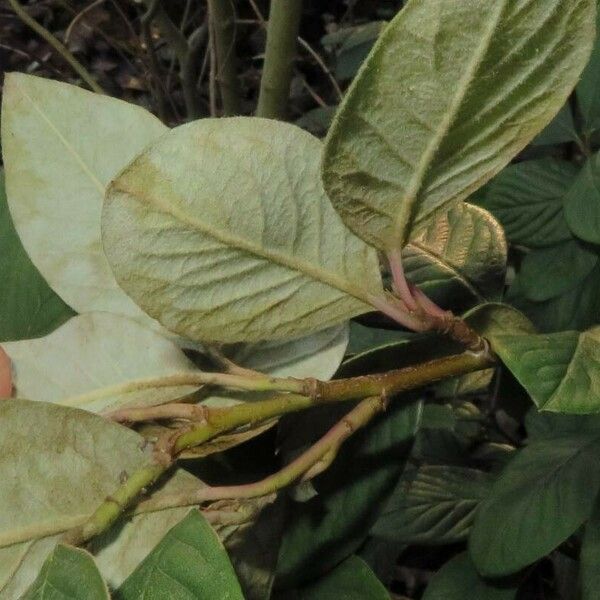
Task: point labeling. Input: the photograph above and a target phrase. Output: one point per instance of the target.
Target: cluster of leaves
(229, 230)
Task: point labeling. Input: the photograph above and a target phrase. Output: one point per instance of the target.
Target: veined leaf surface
(451, 91)
(222, 231)
(61, 146)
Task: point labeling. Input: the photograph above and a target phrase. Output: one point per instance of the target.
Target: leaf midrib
(233, 241)
(405, 212)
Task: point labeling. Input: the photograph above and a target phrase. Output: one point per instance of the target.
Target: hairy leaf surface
(61, 146)
(527, 198)
(62, 463)
(29, 306)
(68, 574)
(450, 93)
(190, 563)
(551, 481)
(221, 230)
(458, 257)
(561, 371)
(94, 351)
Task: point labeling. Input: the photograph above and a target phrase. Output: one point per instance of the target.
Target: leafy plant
(214, 268)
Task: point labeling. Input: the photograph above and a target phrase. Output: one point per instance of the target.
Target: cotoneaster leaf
(61, 146)
(221, 230)
(561, 371)
(449, 94)
(458, 257)
(94, 351)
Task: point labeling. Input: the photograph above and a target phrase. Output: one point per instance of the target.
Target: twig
(146, 21)
(189, 70)
(57, 45)
(282, 31)
(221, 420)
(222, 16)
(79, 16)
(212, 72)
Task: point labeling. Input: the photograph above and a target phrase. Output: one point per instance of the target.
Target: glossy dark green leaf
(560, 130)
(540, 425)
(437, 506)
(458, 580)
(326, 529)
(68, 574)
(560, 371)
(527, 199)
(550, 272)
(29, 307)
(190, 563)
(350, 580)
(590, 556)
(582, 203)
(541, 498)
(363, 339)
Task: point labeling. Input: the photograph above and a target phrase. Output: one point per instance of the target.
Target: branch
(282, 31)
(222, 15)
(221, 420)
(57, 45)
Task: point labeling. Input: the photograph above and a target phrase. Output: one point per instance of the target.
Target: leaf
(364, 338)
(542, 497)
(540, 425)
(68, 574)
(63, 463)
(582, 203)
(560, 130)
(458, 257)
(328, 528)
(527, 198)
(29, 307)
(436, 507)
(560, 371)
(61, 147)
(458, 580)
(590, 555)
(550, 272)
(94, 351)
(588, 98)
(351, 580)
(222, 221)
(190, 563)
(448, 95)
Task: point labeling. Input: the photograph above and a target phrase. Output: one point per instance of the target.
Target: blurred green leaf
(560, 371)
(458, 580)
(582, 203)
(527, 199)
(541, 498)
(29, 307)
(590, 556)
(350, 580)
(68, 574)
(436, 506)
(588, 88)
(190, 563)
(550, 272)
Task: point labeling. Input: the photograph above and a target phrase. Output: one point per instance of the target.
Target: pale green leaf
(582, 203)
(190, 563)
(550, 272)
(588, 88)
(458, 580)
(221, 230)
(350, 580)
(63, 463)
(590, 556)
(541, 498)
(449, 94)
(527, 198)
(61, 146)
(68, 574)
(29, 307)
(560, 371)
(458, 257)
(94, 351)
(437, 506)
